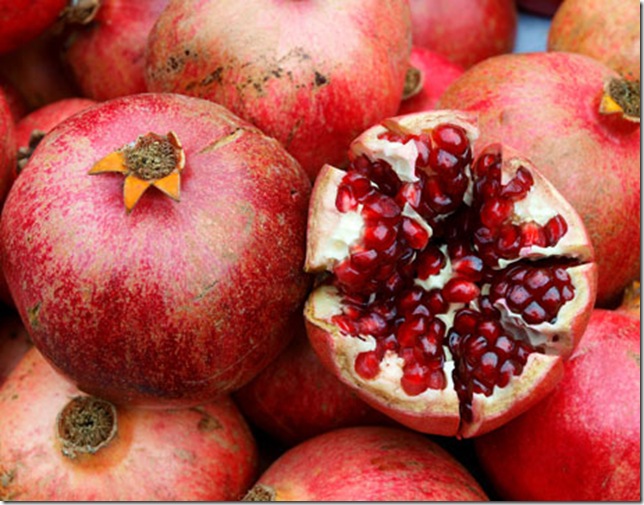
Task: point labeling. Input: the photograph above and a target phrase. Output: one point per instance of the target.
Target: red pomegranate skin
(14, 342)
(107, 56)
(202, 453)
(465, 31)
(437, 74)
(546, 105)
(176, 302)
(23, 20)
(311, 74)
(295, 398)
(607, 30)
(583, 441)
(368, 463)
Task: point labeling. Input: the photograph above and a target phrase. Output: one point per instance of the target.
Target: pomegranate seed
(518, 297)
(378, 206)
(410, 192)
(504, 346)
(507, 370)
(460, 291)
(430, 262)
(487, 370)
(473, 348)
(429, 345)
(359, 184)
(495, 211)
(444, 163)
(470, 267)
(435, 302)
(465, 321)
(367, 364)
(534, 313)
(352, 312)
(345, 324)
(345, 200)
(348, 275)
(567, 293)
(537, 280)
(380, 236)
(485, 162)
(410, 300)
(415, 379)
(365, 260)
(422, 145)
(372, 324)
(561, 275)
(409, 331)
(452, 138)
(519, 186)
(508, 243)
(555, 229)
(416, 236)
(489, 329)
(551, 300)
(436, 380)
(533, 235)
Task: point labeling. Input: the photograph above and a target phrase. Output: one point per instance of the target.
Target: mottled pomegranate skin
(175, 302)
(23, 20)
(311, 74)
(369, 464)
(203, 453)
(107, 56)
(546, 105)
(465, 31)
(583, 441)
(607, 30)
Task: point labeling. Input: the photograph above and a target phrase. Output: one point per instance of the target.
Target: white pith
(540, 204)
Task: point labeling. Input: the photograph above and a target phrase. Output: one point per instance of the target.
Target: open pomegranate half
(452, 285)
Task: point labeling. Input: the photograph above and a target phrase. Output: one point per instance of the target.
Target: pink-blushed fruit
(465, 31)
(23, 20)
(183, 297)
(607, 30)
(14, 342)
(295, 398)
(367, 463)
(428, 77)
(452, 286)
(583, 441)
(557, 109)
(57, 444)
(107, 55)
(311, 74)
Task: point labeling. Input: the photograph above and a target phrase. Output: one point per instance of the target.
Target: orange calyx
(153, 160)
(621, 97)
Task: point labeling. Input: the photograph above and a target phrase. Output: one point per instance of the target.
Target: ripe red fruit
(367, 463)
(465, 31)
(549, 106)
(607, 30)
(310, 74)
(452, 286)
(57, 444)
(583, 441)
(23, 20)
(107, 55)
(185, 296)
(429, 76)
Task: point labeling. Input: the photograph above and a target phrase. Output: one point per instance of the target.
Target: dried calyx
(85, 425)
(622, 96)
(451, 284)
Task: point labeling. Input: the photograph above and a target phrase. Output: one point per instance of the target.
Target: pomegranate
(563, 111)
(542, 7)
(582, 442)
(452, 287)
(607, 30)
(57, 444)
(107, 55)
(427, 78)
(23, 20)
(295, 398)
(32, 128)
(465, 31)
(366, 464)
(311, 74)
(184, 297)
(14, 342)
(7, 146)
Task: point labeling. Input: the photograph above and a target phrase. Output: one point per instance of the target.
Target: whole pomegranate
(452, 286)
(583, 441)
(107, 55)
(23, 20)
(579, 124)
(295, 398)
(607, 30)
(57, 444)
(311, 74)
(370, 464)
(465, 31)
(14, 342)
(542, 7)
(428, 77)
(185, 296)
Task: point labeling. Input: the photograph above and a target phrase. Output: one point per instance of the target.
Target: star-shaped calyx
(152, 160)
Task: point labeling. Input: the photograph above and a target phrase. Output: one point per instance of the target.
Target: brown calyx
(622, 96)
(24, 153)
(152, 157)
(413, 83)
(85, 425)
(260, 492)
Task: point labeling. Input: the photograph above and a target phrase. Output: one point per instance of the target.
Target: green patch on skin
(32, 315)
(635, 357)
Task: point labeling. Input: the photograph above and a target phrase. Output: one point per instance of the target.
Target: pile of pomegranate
(319, 251)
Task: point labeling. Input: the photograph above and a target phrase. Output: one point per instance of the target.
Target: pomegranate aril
(537, 280)
(451, 138)
(437, 199)
(372, 324)
(465, 321)
(508, 243)
(436, 380)
(489, 329)
(346, 324)
(410, 300)
(519, 186)
(506, 371)
(535, 314)
(485, 162)
(435, 302)
(380, 207)
(473, 348)
(470, 267)
(460, 291)
(367, 364)
(424, 149)
(504, 346)
(444, 163)
(495, 211)
(409, 331)
(380, 236)
(551, 300)
(487, 370)
(567, 293)
(345, 200)
(414, 380)
(518, 297)
(411, 193)
(430, 262)
(348, 276)
(365, 260)
(533, 235)
(359, 184)
(555, 229)
(414, 233)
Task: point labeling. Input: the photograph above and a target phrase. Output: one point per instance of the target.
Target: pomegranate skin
(465, 31)
(23, 20)
(295, 398)
(202, 453)
(607, 30)
(319, 74)
(583, 441)
(175, 302)
(367, 464)
(107, 57)
(546, 106)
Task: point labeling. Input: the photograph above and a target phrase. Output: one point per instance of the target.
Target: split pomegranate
(452, 286)
(23, 20)
(465, 31)
(582, 442)
(427, 78)
(366, 464)
(579, 123)
(14, 342)
(57, 444)
(607, 30)
(310, 74)
(154, 245)
(107, 54)
(295, 398)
